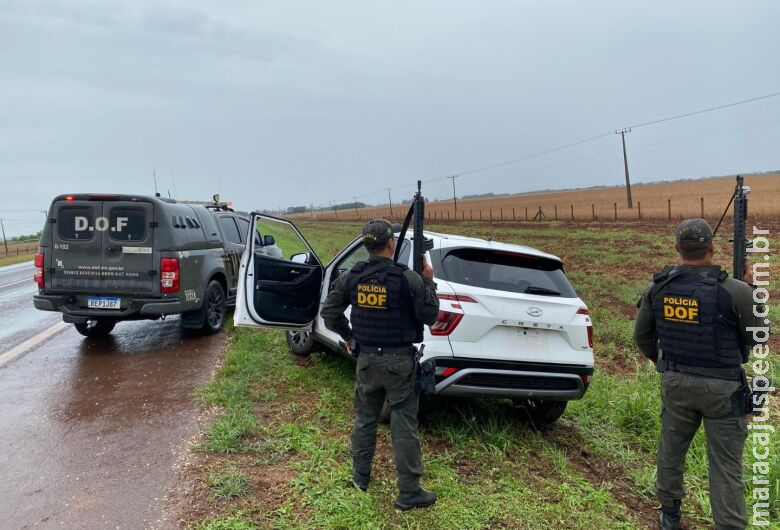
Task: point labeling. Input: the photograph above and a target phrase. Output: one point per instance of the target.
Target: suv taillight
(169, 275)
(38, 274)
(584, 311)
(446, 322)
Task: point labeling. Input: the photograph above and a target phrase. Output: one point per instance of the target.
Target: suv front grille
(518, 381)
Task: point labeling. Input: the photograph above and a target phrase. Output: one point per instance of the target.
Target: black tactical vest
(382, 305)
(695, 319)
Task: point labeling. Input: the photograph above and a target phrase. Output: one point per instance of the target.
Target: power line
(574, 144)
(709, 109)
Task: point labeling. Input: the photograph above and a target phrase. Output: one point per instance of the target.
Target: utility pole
(454, 197)
(355, 198)
(45, 215)
(625, 164)
(390, 200)
(333, 203)
(5, 241)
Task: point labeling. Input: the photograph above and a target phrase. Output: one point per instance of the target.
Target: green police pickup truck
(108, 258)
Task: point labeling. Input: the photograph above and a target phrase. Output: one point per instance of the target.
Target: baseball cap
(377, 233)
(692, 233)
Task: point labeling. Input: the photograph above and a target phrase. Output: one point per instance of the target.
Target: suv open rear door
(277, 292)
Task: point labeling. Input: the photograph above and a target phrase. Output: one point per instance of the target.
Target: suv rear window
(505, 271)
(128, 224)
(74, 223)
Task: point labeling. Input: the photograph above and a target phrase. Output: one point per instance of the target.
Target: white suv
(510, 324)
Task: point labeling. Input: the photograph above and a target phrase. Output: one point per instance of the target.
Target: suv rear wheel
(300, 342)
(539, 411)
(98, 327)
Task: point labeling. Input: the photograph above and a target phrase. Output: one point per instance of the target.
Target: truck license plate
(103, 302)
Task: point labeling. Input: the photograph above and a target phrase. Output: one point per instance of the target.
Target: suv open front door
(278, 292)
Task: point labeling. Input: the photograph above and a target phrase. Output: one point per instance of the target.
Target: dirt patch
(193, 501)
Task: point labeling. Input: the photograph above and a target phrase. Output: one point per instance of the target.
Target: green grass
(228, 484)
(489, 469)
(311, 434)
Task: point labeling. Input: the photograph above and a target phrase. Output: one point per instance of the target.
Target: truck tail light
(446, 322)
(169, 275)
(38, 274)
(590, 336)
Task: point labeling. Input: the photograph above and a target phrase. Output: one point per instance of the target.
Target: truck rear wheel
(208, 319)
(97, 327)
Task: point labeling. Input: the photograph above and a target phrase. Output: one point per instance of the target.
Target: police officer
(390, 304)
(693, 322)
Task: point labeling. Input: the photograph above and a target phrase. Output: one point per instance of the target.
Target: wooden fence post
(702, 207)
(639, 207)
(491, 215)
(502, 215)
(615, 211)
(480, 214)
(593, 211)
(556, 212)
(669, 208)
(526, 213)
(471, 215)
(572, 212)
(513, 214)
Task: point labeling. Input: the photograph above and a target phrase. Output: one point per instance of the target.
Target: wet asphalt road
(90, 428)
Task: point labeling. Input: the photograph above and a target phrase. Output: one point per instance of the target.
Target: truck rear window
(128, 224)
(74, 223)
(505, 271)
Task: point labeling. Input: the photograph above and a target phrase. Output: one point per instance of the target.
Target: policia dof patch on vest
(681, 309)
(371, 296)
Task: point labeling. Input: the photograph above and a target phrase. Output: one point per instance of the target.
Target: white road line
(14, 283)
(29, 344)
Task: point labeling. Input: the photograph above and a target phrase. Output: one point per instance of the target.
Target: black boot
(360, 481)
(415, 499)
(669, 518)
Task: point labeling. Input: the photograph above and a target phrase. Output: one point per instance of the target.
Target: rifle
(740, 241)
(420, 244)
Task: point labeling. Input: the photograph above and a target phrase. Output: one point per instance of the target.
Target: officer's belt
(388, 350)
(729, 374)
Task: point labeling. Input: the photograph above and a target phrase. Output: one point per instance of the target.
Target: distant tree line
(30, 237)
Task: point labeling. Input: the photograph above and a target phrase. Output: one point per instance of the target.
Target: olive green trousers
(391, 378)
(687, 402)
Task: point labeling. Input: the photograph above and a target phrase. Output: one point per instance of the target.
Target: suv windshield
(505, 271)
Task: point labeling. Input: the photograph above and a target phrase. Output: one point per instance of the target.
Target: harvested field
(683, 197)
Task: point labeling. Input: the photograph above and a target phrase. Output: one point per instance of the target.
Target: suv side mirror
(268, 241)
(303, 257)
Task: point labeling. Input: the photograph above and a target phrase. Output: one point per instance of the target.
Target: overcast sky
(292, 103)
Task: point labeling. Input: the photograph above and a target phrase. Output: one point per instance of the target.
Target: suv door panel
(275, 292)
(286, 291)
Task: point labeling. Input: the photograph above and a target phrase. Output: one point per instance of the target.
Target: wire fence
(17, 250)
(564, 211)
